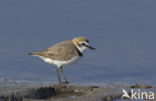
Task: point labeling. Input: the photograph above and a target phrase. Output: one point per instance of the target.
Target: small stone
(76, 90)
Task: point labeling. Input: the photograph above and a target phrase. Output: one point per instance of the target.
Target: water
(123, 32)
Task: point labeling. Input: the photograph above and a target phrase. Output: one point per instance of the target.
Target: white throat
(82, 49)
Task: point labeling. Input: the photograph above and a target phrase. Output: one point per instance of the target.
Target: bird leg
(58, 76)
(66, 81)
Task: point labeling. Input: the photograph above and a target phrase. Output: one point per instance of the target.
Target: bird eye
(83, 44)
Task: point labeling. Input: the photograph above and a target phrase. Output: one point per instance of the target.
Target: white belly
(61, 63)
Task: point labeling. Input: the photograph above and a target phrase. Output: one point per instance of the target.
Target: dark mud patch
(44, 93)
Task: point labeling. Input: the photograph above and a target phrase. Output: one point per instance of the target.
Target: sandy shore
(69, 92)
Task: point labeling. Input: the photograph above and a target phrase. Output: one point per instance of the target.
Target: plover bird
(64, 53)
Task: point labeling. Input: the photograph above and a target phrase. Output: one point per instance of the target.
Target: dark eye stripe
(83, 44)
(87, 41)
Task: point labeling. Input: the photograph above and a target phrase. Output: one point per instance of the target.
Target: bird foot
(66, 82)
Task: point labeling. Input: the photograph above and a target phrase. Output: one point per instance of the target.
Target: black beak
(90, 47)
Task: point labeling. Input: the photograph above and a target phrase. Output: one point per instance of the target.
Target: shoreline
(70, 92)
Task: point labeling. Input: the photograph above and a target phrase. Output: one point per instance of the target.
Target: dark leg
(58, 75)
(66, 81)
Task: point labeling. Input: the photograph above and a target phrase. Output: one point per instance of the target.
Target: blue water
(123, 32)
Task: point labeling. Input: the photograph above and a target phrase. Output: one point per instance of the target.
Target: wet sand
(55, 92)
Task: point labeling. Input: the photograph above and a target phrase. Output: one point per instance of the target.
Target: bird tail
(34, 53)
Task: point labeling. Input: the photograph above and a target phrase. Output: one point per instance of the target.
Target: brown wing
(61, 51)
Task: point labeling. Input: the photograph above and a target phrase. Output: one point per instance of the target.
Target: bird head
(82, 43)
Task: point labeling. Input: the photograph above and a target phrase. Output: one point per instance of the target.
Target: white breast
(61, 63)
